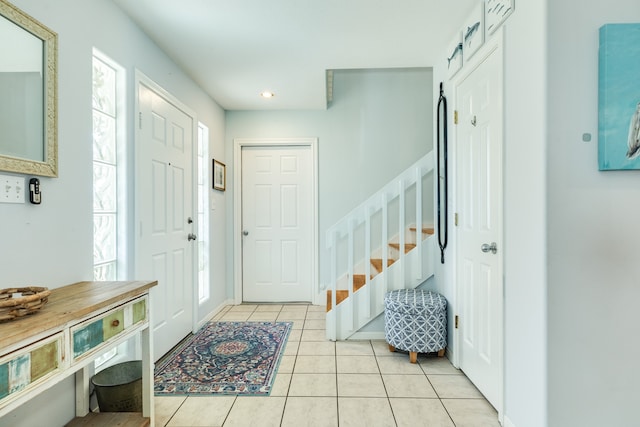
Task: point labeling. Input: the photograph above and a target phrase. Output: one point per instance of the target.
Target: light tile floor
(344, 383)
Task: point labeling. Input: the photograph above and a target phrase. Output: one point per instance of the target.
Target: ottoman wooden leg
(413, 357)
(392, 349)
(441, 352)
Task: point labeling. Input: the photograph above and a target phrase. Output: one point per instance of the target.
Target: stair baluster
(351, 316)
(402, 232)
(418, 233)
(367, 265)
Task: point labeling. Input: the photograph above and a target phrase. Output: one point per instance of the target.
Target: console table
(79, 323)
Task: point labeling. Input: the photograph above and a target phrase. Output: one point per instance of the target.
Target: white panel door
(165, 205)
(277, 223)
(479, 153)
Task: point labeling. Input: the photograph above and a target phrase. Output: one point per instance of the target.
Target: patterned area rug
(239, 358)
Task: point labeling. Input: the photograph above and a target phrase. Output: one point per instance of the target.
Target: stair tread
(407, 246)
(377, 263)
(359, 280)
(341, 295)
(425, 230)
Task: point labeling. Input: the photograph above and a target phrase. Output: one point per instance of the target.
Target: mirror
(28, 94)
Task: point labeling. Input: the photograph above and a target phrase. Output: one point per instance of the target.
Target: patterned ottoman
(415, 321)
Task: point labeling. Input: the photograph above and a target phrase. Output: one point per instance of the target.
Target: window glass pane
(203, 214)
(201, 174)
(104, 272)
(104, 87)
(104, 138)
(104, 188)
(104, 238)
(201, 226)
(201, 201)
(201, 259)
(203, 292)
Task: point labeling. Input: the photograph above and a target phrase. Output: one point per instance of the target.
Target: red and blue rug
(222, 358)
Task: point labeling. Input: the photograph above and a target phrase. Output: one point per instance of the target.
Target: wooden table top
(68, 303)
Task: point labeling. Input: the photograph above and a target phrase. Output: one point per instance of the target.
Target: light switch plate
(12, 189)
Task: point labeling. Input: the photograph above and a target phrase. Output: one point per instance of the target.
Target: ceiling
(236, 49)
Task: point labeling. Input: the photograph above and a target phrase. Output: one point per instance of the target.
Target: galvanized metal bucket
(119, 387)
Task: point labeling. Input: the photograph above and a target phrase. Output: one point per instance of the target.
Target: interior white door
(479, 172)
(277, 223)
(164, 200)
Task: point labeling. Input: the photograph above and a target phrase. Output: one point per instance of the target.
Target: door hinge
(455, 117)
(456, 321)
(455, 219)
(140, 120)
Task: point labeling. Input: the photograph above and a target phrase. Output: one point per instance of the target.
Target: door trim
(142, 79)
(493, 45)
(238, 144)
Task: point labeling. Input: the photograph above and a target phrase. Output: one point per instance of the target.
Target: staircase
(385, 243)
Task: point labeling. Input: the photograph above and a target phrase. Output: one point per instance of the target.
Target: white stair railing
(408, 269)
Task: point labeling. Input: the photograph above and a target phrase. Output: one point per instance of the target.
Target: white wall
(50, 244)
(571, 278)
(593, 268)
(524, 213)
(378, 124)
(525, 216)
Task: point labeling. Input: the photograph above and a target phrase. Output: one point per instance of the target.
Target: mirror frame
(48, 167)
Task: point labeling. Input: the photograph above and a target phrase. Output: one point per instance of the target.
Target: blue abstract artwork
(619, 97)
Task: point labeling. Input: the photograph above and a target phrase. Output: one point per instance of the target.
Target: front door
(277, 223)
(480, 249)
(164, 202)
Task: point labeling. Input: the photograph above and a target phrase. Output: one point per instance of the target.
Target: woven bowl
(20, 302)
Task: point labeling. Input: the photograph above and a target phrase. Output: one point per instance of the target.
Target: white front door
(479, 208)
(277, 223)
(164, 203)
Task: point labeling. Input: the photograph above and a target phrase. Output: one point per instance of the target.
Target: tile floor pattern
(344, 383)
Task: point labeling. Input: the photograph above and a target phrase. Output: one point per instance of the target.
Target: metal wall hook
(442, 171)
(474, 121)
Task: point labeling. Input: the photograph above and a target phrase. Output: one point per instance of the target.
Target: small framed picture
(219, 175)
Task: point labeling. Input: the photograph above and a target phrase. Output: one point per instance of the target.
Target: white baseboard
(214, 312)
(508, 423)
(449, 355)
(320, 298)
(367, 336)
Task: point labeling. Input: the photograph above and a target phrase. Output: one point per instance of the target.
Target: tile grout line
(384, 385)
(175, 412)
(286, 396)
(230, 409)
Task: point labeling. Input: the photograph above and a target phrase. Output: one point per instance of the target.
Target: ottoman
(415, 321)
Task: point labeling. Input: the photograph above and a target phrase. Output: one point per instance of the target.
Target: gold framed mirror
(28, 94)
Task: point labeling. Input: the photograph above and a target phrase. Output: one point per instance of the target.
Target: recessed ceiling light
(267, 94)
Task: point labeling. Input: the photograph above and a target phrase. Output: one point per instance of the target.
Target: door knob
(191, 237)
(245, 233)
(493, 247)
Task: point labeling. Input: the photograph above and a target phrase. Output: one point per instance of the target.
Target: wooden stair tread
(110, 419)
(359, 281)
(377, 263)
(425, 230)
(407, 246)
(341, 295)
